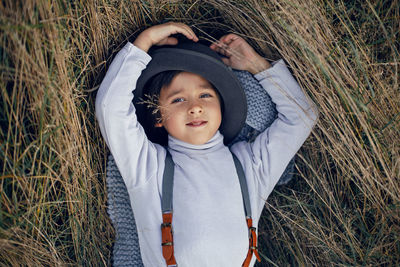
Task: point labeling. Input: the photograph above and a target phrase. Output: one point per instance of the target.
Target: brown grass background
(341, 209)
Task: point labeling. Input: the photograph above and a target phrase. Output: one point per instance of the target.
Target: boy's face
(190, 109)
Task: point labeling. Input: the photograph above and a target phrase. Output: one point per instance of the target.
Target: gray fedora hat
(202, 60)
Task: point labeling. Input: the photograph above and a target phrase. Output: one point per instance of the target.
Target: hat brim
(207, 63)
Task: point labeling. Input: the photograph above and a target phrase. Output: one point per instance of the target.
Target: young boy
(199, 113)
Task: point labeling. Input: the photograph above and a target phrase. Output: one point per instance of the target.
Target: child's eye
(205, 95)
(177, 100)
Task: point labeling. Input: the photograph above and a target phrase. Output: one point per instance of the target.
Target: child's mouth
(196, 123)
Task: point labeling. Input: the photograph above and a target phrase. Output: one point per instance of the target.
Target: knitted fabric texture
(126, 252)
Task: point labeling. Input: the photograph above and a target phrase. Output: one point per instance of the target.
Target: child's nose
(195, 109)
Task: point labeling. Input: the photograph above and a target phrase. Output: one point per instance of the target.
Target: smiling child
(218, 192)
(191, 94)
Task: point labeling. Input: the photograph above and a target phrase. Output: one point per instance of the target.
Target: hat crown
(186, 46)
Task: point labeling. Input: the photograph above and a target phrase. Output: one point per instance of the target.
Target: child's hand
(160, 35)
(239, 54)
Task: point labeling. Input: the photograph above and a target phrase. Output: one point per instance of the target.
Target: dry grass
(343, 208)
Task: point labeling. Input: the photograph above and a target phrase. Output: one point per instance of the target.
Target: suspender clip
(164, 225)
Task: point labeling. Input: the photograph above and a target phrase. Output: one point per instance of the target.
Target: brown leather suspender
(167, 240)
(247, 209)
(166, 206)
(252, 243)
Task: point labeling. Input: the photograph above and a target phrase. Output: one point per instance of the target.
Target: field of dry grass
(343, 207)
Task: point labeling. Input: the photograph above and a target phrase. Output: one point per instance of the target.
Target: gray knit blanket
(126, 252)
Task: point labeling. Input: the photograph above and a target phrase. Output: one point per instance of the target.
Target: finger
(187, 31)
(192, 33)
(216, 45)
(168, 41)
(171, 41)
(222, 45)
(226, 61)
(224, 49)
(219, 49)
(229, 38)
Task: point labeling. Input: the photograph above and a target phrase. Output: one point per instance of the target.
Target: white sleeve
(275, 147)
(134, 154)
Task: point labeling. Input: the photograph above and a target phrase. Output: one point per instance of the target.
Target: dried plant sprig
(152, 103)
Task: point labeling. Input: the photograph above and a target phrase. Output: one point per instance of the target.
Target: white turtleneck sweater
(208, 218)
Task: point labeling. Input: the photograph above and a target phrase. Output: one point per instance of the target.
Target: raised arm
(272, 150)
(275, 147)
(135, 156)
(117, 119)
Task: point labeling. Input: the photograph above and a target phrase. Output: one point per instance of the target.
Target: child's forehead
(188, 80)
(187, 75)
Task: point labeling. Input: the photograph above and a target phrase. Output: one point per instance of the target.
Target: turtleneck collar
(216, 142)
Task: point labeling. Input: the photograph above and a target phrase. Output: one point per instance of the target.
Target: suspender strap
(243, 186)
(247, 209)
(166, 206)
(167, 184)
